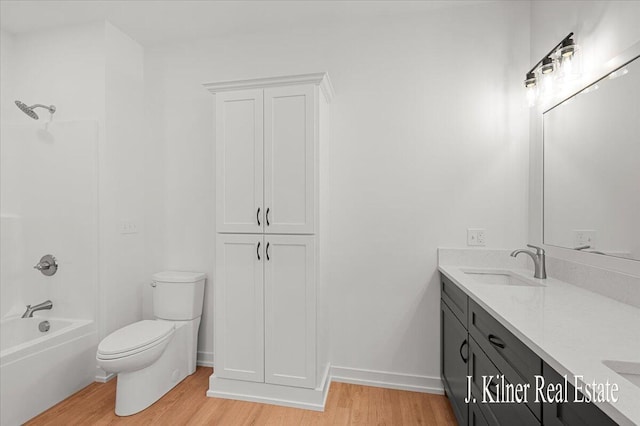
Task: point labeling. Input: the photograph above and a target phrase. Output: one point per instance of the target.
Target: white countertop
(571, 329)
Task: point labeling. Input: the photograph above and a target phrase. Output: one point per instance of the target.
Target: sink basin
(628, 370)
(499, 278)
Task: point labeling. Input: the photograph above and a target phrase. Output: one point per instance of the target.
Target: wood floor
(187, 404)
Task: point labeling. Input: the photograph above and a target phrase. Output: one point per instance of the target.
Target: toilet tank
(178, 295)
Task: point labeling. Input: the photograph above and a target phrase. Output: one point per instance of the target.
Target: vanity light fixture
(568, 48)
(547, 66)
(559, 58)
(530, 81)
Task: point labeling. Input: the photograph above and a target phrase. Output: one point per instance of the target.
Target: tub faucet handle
(48, 265)
(40, 266)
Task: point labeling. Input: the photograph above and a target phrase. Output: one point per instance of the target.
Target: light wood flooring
(187, 404)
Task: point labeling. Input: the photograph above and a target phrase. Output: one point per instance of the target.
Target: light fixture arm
(550, 52)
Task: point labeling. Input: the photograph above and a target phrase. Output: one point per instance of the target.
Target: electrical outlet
(476, 237)
(482, 239)
(584, 237)
(128, 227)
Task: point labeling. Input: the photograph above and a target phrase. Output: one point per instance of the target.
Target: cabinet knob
(266, 215)
(258, 250)
(258, 216)
(267, 251)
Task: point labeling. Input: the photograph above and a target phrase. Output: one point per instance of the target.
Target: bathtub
(39, 369)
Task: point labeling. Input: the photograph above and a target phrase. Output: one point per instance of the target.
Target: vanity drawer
(455, 298)
(512, 357)
(503, 413)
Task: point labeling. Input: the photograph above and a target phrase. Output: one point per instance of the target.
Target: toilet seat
(135, 338)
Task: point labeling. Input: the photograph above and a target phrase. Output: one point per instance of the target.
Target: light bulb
(547, 66)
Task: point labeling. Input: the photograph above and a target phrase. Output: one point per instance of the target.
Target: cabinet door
(290, 310)
(289, 159)
(239, 307)
(570, 413)
(455, 354)
(239, 161)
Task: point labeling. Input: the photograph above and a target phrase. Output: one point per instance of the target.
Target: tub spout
(39, 307)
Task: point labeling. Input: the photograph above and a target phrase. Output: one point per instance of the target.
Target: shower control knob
(47, 265)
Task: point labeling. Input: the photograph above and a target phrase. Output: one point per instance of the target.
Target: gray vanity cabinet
(455, 349)
(475, 344)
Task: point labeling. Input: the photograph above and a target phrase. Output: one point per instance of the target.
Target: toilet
(150, 357)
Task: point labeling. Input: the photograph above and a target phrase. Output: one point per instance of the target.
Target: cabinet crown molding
(320, 79)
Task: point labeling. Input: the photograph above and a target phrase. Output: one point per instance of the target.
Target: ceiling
(152, 21)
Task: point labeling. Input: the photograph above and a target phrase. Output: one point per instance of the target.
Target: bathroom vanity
(512, 335)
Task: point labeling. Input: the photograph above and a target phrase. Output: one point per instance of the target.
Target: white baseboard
(385, 379)
(287, 396)
(204, 359)
(104, 377)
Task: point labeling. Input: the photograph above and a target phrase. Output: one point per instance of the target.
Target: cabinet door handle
(461, 354)
(258, 250)
(493, 392)
(496, 341)
(258, 216)
(267, 251)
(266, 215)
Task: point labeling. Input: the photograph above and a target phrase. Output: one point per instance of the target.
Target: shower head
(29, 110)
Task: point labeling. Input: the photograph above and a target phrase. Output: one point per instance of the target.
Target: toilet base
(139, 389)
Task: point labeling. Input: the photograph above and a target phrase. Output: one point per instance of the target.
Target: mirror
(591, 199)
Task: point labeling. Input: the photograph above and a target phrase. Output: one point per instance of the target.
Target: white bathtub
(39, 369)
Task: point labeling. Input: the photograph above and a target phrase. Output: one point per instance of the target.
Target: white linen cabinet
(270, 323)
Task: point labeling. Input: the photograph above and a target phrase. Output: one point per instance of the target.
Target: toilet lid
(135, 336)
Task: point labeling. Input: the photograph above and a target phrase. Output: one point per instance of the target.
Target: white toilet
(150, 357)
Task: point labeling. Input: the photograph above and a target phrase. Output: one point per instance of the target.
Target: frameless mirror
(592, 167)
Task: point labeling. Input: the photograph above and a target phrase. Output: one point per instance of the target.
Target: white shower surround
(49, 206)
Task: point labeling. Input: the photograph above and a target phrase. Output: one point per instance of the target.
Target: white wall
(604, 30)
(430, 138)
(123, 164)
(6, 90)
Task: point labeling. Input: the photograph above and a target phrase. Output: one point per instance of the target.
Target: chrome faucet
(538, 260)
(39, 307)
